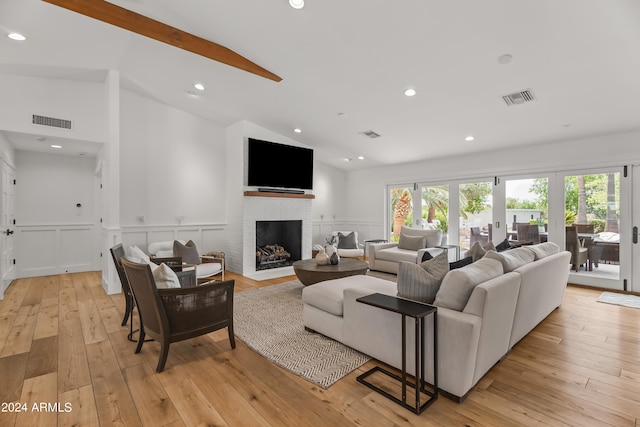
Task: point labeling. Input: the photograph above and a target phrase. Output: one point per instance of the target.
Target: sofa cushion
(347, 241)
(412, 243)
(457, 285)
(512, 259)
(420, 282)
(395, 254)
(188, 252)
(543, 250)
(329, 295)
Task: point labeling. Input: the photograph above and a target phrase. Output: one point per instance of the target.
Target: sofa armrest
(371, 256)
(495, 302)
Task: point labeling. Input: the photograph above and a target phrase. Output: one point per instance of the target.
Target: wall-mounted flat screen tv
(272, 165)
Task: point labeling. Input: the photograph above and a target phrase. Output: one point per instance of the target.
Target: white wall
(7, 152)
(81, 102)
(366, 188)
(53, 235)
(172, 166)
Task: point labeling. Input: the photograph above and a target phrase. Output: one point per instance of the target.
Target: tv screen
(273, 165)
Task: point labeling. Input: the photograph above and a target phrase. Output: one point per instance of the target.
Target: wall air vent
(50, 121)
(371, 134)
(519, 97)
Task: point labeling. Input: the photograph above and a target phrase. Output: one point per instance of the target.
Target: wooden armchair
(579, 254)
(171, 315)
(186, 278)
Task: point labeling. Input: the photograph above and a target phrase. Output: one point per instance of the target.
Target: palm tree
(612, 216)
(401, 200)
(436, 198)
(582, 201)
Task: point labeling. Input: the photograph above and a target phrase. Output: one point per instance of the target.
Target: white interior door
(7, 272)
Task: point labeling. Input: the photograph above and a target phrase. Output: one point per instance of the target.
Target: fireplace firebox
(278, 243)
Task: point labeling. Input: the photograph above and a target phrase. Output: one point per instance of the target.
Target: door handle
(635, 234)
(9, 232)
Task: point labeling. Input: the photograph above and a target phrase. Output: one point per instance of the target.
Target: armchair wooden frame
(171, 315)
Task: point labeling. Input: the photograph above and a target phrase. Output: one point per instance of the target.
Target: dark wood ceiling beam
(140, 24)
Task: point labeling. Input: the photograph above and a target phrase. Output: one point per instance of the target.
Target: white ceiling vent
(371, 134)
(50, 121)
(519, 97)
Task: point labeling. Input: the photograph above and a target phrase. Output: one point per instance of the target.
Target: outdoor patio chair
(477, 236)
(171, 315)
(528, 233)
(579, 255)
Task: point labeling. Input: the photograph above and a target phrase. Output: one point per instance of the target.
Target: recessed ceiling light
(199, 86)
(410, 92)
(360, 157)
(56, 146)
(296, 4)
(347, 160)
(469, 138)
(297, 130)
(16, 36)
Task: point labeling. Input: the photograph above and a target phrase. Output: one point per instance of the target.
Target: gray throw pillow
(188, 252)
(412, 243)
(347, 241)
(476, 252)
(420, 282)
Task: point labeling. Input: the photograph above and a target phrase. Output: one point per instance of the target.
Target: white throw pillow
(165, 277)
(139, 254)
(513, 258)
(458, 284)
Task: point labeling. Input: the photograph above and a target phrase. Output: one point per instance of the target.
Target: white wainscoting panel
(56, 249)
(207, 237)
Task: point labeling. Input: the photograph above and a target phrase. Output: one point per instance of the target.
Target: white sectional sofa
(386, 256)
(500, 311)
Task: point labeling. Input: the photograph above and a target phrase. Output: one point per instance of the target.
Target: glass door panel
(527, 203)
(401, 210)
(475, 213)
(596, 214)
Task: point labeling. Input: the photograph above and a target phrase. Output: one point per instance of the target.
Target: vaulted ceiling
(345, 65)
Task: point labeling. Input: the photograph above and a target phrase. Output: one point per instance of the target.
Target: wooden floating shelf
(284, 195)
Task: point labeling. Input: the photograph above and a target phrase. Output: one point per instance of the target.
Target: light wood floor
(61, 343)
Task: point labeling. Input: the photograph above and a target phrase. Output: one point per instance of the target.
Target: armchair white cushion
(348, 246)
(206, 268)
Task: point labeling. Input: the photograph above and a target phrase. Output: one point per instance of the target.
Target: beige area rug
(620, 299)
(269, 320)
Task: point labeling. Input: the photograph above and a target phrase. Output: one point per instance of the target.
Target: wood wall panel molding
(140, 24)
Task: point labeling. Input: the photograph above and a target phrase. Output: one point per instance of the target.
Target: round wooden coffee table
(309, 272)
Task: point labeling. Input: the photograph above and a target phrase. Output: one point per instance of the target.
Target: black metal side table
(418, 311)
(447, 247)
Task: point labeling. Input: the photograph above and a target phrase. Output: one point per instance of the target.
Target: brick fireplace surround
(264, 207)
